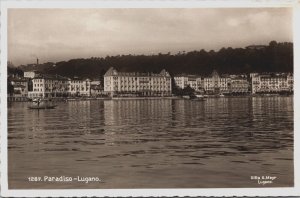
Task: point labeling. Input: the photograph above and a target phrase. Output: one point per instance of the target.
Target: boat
(221, 95)
(40, 103)
(198, 97)
(186, 97)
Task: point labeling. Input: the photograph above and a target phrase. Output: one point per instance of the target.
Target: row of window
(144, 82)
(136, 78)
(154, 87)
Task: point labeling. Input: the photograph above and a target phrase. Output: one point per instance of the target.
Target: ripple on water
(130, 140)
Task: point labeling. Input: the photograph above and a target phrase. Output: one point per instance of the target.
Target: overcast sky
(62, 34)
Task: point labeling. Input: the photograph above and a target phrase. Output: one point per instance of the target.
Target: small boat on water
(186, 97)
(198, 97)
(194, 97)
(40, 103)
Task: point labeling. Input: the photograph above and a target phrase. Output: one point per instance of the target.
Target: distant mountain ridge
(275, 57)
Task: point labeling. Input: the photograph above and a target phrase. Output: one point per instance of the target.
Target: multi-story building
(97, 88)
(49, 86)
(290, 82)
(20, 86)
(271, 83)
(58, 86)
(138, 84)
(239, 84)
(195, 82)
(216, 84)
(79, 87)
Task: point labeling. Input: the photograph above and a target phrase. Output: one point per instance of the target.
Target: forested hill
(275, 57)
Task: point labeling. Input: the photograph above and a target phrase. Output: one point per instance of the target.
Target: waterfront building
(194, 81)
(290, 82)
(216, 84)
(137, 84)
(49, 86)
(97, 88)
(20, 86)
(239, 84)
(271, 83)
(79, 87)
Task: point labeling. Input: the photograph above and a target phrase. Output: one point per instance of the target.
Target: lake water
(154, 143)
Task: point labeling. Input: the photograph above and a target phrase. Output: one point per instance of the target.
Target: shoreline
(25, 99)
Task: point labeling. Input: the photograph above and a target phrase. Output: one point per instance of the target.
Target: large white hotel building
(137, 84)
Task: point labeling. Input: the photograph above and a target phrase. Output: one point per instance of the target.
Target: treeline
(275, 57)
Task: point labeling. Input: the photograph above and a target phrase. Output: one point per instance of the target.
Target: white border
(294, 191)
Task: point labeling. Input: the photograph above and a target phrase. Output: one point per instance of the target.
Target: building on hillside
(216, 84)
(256, 47)
(137, 84)
(49, 86)
(79, 87)
(30, 74)
(271, 83)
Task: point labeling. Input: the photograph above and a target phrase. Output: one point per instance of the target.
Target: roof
(238, 78)
(113, 72)
(110, 72)
(50, 77)
(187, 75)
(19, 86)
(79, 79)
(35, 71)
(96, 87)
(216, 74)
(17, 79)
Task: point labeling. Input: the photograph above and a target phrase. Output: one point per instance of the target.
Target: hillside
(276, 57)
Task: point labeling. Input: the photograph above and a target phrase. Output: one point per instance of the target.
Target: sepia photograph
(149, 98)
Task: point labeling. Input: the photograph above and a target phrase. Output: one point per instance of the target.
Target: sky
(54, 35)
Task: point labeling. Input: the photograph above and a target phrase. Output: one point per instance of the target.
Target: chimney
(37, 61)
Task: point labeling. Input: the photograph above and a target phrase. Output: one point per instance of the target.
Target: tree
(10, 88)
(275, 57)
(188, 91)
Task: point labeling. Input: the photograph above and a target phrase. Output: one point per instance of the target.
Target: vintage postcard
(149, 98)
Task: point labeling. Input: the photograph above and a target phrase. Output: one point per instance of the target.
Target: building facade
(20, 86)
(47, 86)
(239, 84)
(216, 84)
(57, 86)
(97, 88)
(30, 74)
(271, 83)
(137, 84)
(79, 87)
(195, 82)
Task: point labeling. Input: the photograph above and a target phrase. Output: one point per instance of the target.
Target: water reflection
(126, 141)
